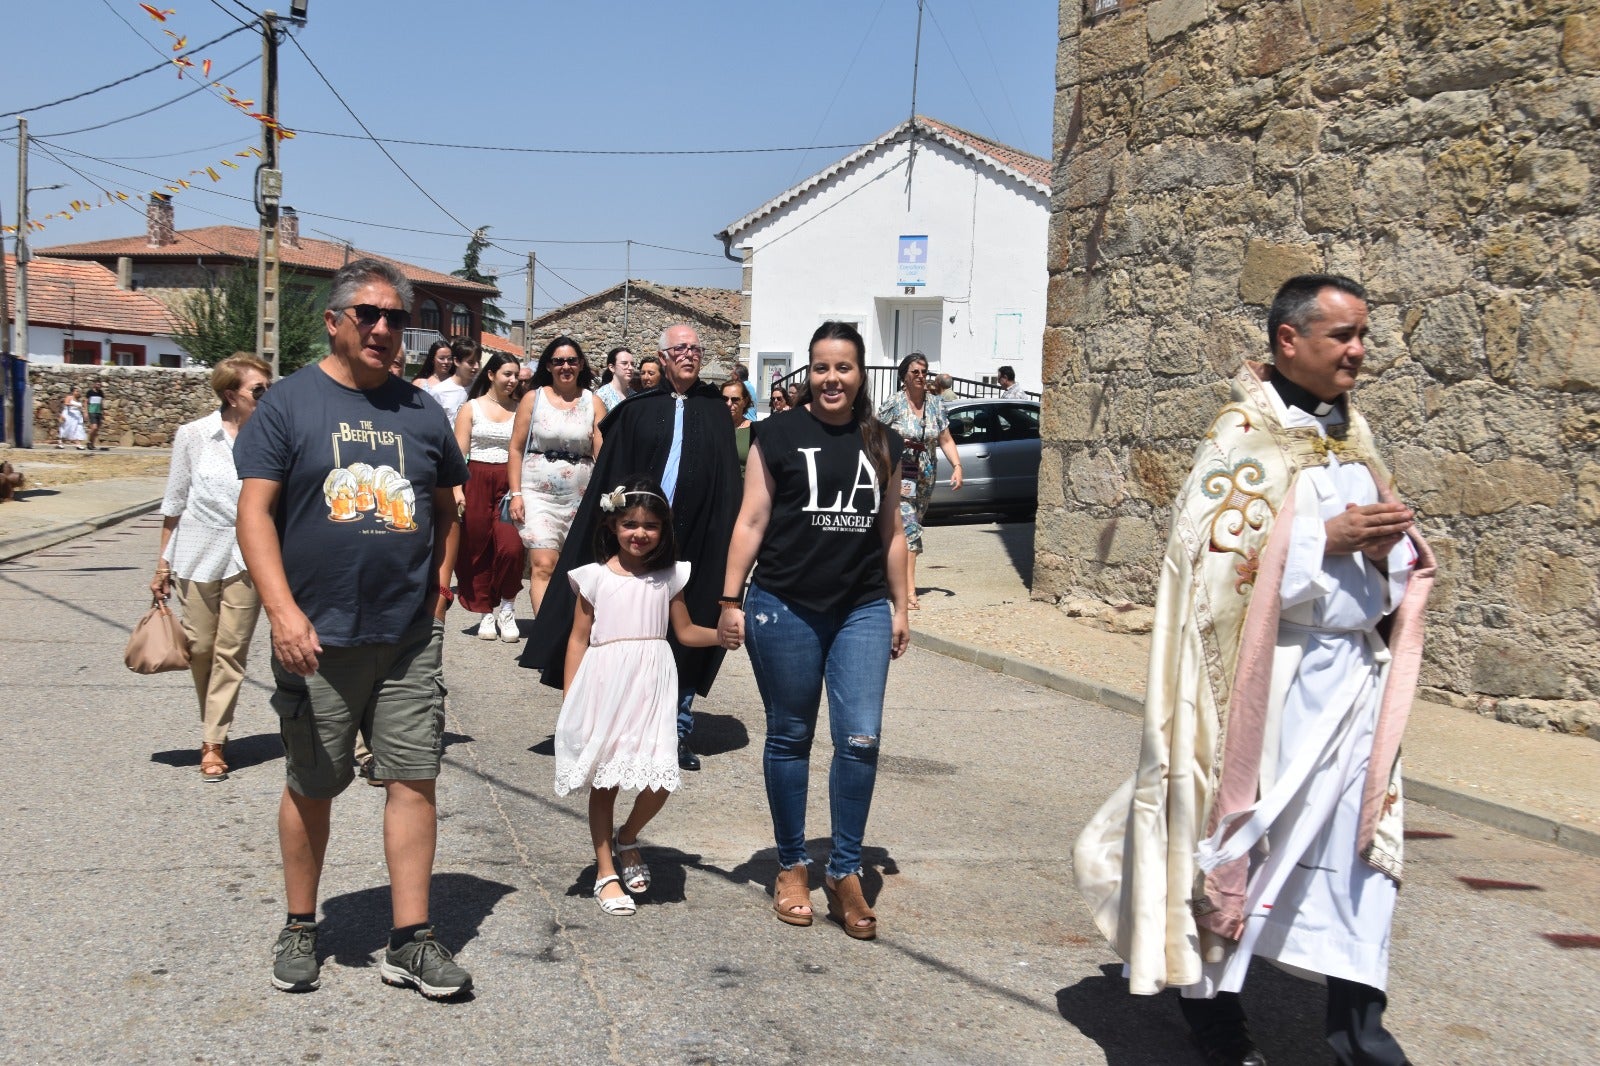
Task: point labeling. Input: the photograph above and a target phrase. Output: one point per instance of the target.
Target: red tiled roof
(74, 295)
(724, 304)
(238, 242)
(1013, 158)
(1030, 169)
(490, 343)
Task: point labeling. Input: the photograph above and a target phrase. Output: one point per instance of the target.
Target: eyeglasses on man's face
(367, 316)
(685, 349)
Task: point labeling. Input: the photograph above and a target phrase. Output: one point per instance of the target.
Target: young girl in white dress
(618, 724)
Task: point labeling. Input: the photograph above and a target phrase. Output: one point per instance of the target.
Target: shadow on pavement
(718, 734)
(761, 868)
(1286, 1018)
(240, 753)
(355, 926)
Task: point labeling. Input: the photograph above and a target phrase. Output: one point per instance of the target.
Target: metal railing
(882, 383)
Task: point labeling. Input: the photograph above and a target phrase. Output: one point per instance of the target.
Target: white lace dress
(619, 723)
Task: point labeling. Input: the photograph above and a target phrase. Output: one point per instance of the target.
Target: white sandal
(635, 878)
(625, 905)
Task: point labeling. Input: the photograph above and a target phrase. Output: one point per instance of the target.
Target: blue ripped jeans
(793, 651)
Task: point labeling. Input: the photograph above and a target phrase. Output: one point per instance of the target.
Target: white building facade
(930, 239)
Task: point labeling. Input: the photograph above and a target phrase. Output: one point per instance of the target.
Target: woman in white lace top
(200, 553)
(489, 561)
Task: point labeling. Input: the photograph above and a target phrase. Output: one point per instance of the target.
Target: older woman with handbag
(200, 553)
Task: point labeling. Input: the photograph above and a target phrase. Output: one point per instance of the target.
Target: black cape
(637, 436)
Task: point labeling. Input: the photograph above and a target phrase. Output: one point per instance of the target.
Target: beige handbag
(158, 643)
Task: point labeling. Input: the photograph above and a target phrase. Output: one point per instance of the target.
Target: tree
(494, 319)
(220, 319)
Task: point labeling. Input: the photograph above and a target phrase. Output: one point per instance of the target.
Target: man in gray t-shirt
(347, 526)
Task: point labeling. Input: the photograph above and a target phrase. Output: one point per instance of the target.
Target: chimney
(124, 273)
(289, 226)
(158, 221)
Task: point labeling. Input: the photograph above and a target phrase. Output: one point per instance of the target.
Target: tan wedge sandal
(212, 765)
(790, 892)
(849, 907)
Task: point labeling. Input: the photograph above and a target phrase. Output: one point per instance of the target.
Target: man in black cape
(694, 460)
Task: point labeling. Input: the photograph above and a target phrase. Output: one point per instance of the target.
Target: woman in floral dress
(553, 445)
(920, 419)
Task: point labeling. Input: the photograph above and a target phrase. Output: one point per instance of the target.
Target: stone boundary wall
(599, 329)
(144, 405)
(1441, 153)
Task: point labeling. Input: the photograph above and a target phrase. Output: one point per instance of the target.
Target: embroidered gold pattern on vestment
(1242, 508)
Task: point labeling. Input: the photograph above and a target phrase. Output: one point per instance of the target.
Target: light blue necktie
(669, 476)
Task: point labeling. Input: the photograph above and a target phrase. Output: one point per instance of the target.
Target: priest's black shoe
(687, 760)
(1219, 1031)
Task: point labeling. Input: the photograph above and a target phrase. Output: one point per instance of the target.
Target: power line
(961, 72)
(230, 14)
(165, 62)
(140, 114)
(569, 151)
(840, 88)
(999, 80)
(403, 171)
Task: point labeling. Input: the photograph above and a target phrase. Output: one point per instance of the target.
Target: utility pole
(527, 316)
(269, 191)
(22, 431)
(5, 340)
(916, 63)
(627, 276)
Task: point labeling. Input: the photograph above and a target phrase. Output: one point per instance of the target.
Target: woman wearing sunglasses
(553, 445)
(200, 553)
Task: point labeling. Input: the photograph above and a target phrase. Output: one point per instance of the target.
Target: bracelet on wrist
(729, 601)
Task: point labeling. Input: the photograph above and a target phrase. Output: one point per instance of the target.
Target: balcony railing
(882, 384)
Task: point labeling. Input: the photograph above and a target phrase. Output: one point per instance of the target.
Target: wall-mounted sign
(912, 261)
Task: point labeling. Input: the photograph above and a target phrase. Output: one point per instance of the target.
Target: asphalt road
(140, 904)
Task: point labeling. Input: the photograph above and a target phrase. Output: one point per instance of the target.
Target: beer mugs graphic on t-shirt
(382, 478)
(402, 508)
(340, 490)
(365, 500)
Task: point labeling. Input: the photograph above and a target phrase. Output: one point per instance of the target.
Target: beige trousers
(220, 619)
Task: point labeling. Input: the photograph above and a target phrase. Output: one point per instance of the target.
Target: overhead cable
(120, 81)
(140, 114)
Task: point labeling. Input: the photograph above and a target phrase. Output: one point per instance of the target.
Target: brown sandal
(790, 892)
(212, 765)
(849, 907)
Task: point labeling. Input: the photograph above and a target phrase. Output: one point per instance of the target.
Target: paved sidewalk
(975, 579)
(55, 506)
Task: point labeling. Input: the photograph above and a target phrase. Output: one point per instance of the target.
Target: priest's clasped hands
(1371, 529)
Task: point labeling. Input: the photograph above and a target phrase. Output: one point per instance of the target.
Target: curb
(49, 536)
(1496, 813)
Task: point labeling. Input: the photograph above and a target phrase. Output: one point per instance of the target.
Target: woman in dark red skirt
(489, 561)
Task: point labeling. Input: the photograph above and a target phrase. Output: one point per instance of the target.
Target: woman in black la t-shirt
(821, 515)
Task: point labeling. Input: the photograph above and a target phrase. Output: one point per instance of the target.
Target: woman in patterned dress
(201, 554)
(920, 419)
(553, 445)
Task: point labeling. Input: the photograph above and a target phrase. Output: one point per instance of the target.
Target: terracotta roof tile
(1014, 158)
(489, 342)
(238, 242)
(76, 295)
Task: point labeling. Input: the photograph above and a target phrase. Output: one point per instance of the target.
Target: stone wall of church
(1441, 153)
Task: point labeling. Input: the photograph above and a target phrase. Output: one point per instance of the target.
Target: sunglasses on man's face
(367, 316)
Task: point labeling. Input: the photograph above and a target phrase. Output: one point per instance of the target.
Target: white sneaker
(506, 618)
(486, 627)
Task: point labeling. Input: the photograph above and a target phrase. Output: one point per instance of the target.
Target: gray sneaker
(296, 968)
(426, 965)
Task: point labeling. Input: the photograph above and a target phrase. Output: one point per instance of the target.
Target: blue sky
(704, 74)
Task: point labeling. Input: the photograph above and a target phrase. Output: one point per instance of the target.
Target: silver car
(998, 441)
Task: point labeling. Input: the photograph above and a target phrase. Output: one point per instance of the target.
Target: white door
(918, 329)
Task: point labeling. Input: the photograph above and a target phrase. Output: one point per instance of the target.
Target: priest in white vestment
(1264, 819)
